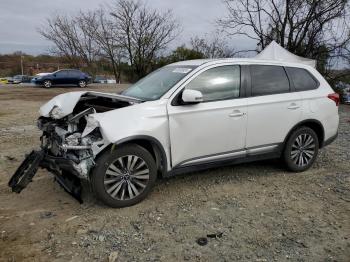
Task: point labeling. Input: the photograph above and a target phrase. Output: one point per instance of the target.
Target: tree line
(134, 38)
(129, 35)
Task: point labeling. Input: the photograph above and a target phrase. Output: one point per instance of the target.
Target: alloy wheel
(303, 150)
(82, 84)
(47, 84)
(127, 177)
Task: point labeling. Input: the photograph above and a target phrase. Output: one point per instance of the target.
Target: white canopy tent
(276, 52)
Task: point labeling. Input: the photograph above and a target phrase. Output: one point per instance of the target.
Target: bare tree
(316, 28)
(104, 32)
(70, 39)
(144, 32)
(215, 47)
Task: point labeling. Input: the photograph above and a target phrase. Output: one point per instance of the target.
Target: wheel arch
(152, 145)
(314, 124)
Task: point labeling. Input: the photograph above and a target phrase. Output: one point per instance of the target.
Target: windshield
(159, 82)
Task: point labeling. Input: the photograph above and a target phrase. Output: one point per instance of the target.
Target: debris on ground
(113, 256)
(47, 214)
(71, 218)
(216, 235)
(202, 241)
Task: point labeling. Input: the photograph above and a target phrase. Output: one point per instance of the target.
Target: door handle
(236, 113)
(293, 106)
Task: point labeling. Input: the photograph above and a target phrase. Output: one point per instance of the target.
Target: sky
(20, 19)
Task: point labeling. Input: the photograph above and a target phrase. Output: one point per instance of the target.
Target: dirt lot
(263, 212)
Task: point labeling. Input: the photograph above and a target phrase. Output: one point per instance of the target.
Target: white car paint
(206, 130)
(271, 117)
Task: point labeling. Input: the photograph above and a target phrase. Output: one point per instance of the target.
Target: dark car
(63, 77)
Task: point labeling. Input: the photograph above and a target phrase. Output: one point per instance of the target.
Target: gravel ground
(251, 212)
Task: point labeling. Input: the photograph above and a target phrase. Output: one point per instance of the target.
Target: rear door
(73, 77)
(273, 107)
(214, 128)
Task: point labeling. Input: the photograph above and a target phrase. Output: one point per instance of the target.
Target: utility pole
(22, 64)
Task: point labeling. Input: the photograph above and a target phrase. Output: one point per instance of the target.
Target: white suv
(185, 116)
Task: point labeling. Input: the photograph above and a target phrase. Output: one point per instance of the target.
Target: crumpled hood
(64, 104)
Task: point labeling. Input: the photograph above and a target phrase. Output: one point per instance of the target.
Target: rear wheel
(82, 83)
(301, 149)
(47, 83)
(125, 176)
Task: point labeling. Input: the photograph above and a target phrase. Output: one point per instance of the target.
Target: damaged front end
(70, 141)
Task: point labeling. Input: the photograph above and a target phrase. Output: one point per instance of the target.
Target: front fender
(147, 120)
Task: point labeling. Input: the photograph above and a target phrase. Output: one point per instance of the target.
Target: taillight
(335, 98)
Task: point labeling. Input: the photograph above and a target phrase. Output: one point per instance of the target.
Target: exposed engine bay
(69, 142)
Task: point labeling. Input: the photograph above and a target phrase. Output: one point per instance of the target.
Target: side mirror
(192, 96)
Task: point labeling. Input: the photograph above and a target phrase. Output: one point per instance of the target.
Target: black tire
(300, 158)
(101, 175)
(47, 84)
(82, 83)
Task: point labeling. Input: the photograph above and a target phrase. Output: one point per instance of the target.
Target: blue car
(63, 77)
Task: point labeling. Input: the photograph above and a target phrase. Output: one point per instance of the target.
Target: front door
(214, 128)
(60, 77)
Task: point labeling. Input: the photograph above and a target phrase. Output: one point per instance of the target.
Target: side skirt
(221, 163)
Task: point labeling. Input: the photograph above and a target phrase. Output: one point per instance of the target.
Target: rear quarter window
(74, 73)
(268, 80)
(302, 79)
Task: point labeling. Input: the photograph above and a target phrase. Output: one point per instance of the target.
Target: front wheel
(47, 83)
(301, 149)
(82, 83)
(124, 177)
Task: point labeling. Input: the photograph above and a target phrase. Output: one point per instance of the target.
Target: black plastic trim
(245, 80)
(321, 143)
(247, 157)
(54, 164)
(153, 141)
(226, 162)
(330, 140)
(245, 151)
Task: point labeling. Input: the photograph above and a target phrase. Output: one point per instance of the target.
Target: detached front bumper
(63, 169)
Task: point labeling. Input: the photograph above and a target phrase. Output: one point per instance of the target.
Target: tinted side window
(61, 73)
(302, 79)
(268, 80)
(218, 83)
(73, 73)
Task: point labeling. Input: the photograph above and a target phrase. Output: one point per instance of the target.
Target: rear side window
(218, 83)
(73, 73)
(302, 79)
(268, 80)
